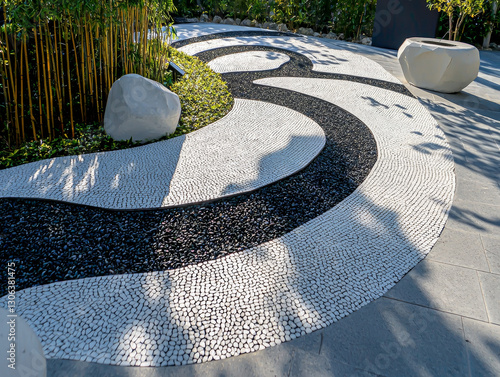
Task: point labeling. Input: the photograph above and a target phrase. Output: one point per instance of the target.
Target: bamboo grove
(59, 59)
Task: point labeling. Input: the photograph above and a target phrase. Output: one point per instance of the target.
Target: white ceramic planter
(440, 65)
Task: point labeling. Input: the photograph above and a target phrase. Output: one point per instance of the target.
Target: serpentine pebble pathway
(256, 144)
(287, 287)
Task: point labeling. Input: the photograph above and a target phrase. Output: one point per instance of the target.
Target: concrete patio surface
(443, 317)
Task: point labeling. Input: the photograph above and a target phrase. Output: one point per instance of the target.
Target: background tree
(466, 8)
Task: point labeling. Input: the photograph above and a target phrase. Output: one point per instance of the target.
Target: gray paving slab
(474, 217)
(490, 284)
(483, 346)
(492, 249)
(444, 287)
(386, 338)
(461, 249)
(392, 338)
(299, 358)
(478, 192)
(471, 173)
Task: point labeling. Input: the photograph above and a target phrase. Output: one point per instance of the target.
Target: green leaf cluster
(464, 8)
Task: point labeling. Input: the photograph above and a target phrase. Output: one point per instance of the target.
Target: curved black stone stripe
(232, 34)
(56, 241)
(297, 66)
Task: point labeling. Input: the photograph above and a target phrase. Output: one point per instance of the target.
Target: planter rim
(439, 43)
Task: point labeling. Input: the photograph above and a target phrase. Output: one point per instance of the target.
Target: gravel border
(55, 241)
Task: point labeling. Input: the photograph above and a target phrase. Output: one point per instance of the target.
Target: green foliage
(204, 99)
(354, 17)
(463, 9)
(350, 17)
(474, 29)
(258, 10)
(187, 8)
(88, 139)
(204, 96)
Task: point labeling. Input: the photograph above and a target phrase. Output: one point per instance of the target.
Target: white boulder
(439, 65)
(141, 109)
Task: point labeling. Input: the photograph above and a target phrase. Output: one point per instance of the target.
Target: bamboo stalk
(57, 78)
(101, 70)
(145, 40)
(7, 106)
(137, 37)
(117, 31)
(111, 57)
(89, 65)
(83, 94)
(96, 91)
(6, 93)
(123, 42)
(61, 61)
(130, 34)
(69, 83)
(105, 60)
(76, 65)
(13, 84)
(32, 117)
(21, 73)
(47, 111)
(49, 78)
(39, 85)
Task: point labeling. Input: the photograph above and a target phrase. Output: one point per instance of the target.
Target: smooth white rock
(141, 109)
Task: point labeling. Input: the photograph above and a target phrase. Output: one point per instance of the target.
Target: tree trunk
(487, 38)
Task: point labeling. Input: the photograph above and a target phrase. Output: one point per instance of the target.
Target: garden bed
(204, 99)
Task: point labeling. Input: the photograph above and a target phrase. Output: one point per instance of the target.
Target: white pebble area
(256, 144)
(249, 62)
(284, 288)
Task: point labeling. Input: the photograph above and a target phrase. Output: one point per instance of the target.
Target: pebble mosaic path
(256, 144)
(287, 287)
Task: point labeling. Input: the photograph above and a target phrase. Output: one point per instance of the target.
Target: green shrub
(204, 96)
(204, 99)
